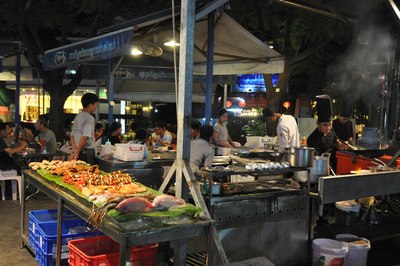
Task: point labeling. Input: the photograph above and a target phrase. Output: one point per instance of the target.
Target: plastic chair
(13, 176)
(58, 145)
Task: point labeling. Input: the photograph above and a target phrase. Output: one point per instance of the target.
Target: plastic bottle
(107, 148)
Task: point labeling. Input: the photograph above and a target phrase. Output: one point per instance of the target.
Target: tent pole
(17, 94)
(210, 65)
(98, 95)
(225, 95)
(110, 94)
(184, 108)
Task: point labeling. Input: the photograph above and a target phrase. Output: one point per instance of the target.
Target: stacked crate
(43, 234)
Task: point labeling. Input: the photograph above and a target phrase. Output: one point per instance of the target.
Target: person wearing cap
(286, 130)
(343, 127)
(323, 139)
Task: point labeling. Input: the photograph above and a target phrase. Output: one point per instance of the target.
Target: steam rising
(357, 77)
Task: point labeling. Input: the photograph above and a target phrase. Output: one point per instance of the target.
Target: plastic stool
(11, 175)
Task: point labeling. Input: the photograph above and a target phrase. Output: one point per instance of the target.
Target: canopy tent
(236, 51)
(10, 66)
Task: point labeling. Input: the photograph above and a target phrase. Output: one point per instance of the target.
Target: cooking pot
(300, 156)
(320, 167)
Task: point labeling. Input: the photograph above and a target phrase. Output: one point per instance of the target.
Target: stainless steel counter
(354, 186)
(274, 223)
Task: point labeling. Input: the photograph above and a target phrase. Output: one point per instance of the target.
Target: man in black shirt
(323, 139)
(343, 127)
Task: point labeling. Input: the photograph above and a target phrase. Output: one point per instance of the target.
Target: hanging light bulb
(135, 51)
(172, 43)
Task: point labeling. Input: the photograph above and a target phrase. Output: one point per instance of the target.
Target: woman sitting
(115, 133)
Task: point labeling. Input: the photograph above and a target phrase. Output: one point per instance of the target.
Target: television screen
(251, 83)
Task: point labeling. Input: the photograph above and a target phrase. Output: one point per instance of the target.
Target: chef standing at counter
(221, 135)
(343, 126)
(286, 130)
(323, 139)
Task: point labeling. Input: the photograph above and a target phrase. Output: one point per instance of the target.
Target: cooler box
(104, 251)
(260, 142)
(129, 152)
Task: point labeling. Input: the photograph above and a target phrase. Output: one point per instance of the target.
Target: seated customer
(141, 138)
(115, 133)
(6, 152)
(46, 135)
(162, 138)
(201, 152)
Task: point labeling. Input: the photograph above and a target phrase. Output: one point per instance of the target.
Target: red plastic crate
(104, 251)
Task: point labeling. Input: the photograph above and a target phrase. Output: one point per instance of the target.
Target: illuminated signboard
(251, 83)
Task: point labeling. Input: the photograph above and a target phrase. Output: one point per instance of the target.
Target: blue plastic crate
(50, 260)
(44, 216)
(48, 235)
(32, 241)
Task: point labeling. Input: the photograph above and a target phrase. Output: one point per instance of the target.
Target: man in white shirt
(286, 130)
(201, 152)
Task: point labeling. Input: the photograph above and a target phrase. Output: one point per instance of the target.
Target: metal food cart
(117, 231)
(262, 219)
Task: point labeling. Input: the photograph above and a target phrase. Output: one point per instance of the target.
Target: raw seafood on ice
(134, 204)
(167, 201)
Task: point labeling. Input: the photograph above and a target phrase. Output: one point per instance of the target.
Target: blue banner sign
(163, 74)
(106, 46)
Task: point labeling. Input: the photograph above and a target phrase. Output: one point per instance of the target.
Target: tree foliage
(307, 41)
(44, 24)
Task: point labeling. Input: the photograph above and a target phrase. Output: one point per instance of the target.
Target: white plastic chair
(13, 176)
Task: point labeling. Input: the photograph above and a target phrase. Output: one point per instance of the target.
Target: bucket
(320, 167)
(328, 252)
(347, 212)
(358, 249)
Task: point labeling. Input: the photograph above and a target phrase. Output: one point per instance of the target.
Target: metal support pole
(23, 207)
(98, 95)
(225, 95)
(110, 95)
(210, 66)
(17, 94)
(59, 230)
(185, 89)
